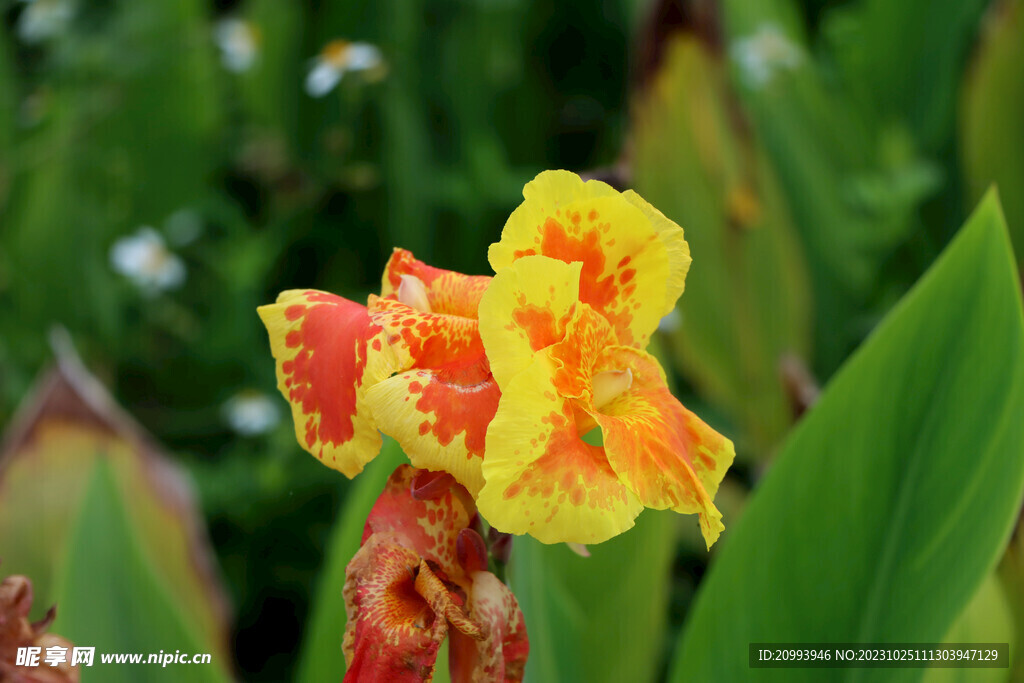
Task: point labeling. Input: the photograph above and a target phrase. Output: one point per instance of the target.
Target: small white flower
(337, 58)
(43, 19)
(251, 412)
(239, 43)
(764, 53)
(145, 260)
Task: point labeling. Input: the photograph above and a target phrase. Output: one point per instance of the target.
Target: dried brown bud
(17, 632)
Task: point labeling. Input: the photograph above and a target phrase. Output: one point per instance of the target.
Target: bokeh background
(166, 167)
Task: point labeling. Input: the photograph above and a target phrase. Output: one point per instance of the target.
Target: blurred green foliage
(819, 154)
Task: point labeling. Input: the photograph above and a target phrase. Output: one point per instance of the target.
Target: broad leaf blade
(111, 599)
(49, 453)
(894, 498)
(599, 618)
(992, 133)
(903, 77)
(986, 619)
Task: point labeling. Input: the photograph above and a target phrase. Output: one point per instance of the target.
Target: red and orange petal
(324, 348)
(439, 408)
(441, 424)
(398, 614)
(625, 262)
(661, 450)
(447, 291)
(527, 308)
(429, 340)
(501, 654)
(430, 528)
(541, 477)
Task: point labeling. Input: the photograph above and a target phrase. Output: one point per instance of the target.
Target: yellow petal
(540, 477)
(625, 263)
(671, 235)
(526, 308)
(661, 450)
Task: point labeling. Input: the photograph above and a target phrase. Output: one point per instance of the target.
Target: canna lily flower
(338, 58)
(584, 275)
(420, 576)
(410, 364)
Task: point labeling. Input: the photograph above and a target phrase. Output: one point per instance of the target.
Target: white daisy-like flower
(145, 260)
(43, 19)
(337, 58)
(251, 412)
(239, 43)
(764, 53)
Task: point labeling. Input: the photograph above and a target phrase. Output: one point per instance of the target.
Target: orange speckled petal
(625, 263)
(661, 450)
(438, 410)
(501, 655)
(324, 347)
(392, 633)
(447, 291)
(441, 424)
(586, 338)
(540, 477)
(526, 308)
(428, 527)
(430, 340)
(671, 235)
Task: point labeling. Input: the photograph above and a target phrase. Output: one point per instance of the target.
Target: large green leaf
(50, 451)
(992, 132)
(895, 496)
(746, 303)
(599, 618)
(322, 658)
(986, 619)
(110, 597)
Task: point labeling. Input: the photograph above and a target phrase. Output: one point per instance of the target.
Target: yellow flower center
(610, 385)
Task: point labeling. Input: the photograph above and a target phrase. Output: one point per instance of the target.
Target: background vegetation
(820, 155)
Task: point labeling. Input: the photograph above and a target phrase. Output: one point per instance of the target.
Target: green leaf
(50, 452)
(271, 86)
(852, 187)
(992, 130)
(322, 658)
(901, 79)
(599, 618)
(111, 599)
(986, 619)
(895, 496)
(746, 303)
